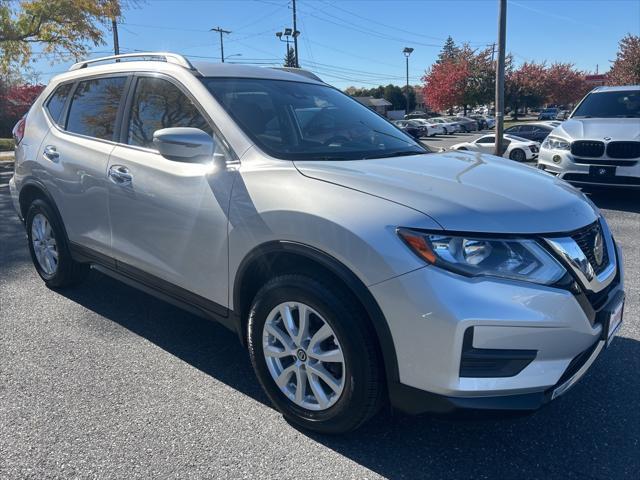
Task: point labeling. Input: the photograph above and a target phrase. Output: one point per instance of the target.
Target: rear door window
(56, 102)
(158, 104)
(94, 107)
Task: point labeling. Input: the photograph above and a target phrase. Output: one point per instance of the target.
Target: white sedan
(432, 127)
(449, 127)
(515, 148)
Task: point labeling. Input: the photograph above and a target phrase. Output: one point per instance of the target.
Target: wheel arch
(281, 257)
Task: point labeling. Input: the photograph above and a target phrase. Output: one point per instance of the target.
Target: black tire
(68, 271)
(363, 391)
(518, 155)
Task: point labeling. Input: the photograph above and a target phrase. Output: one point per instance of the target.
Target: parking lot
(105, 381)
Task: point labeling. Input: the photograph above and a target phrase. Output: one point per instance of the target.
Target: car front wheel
(518, 155)
(315, 354)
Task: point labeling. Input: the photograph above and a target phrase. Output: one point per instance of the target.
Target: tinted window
(621, 104)
(158, 104)
(56, 102)
(512, 129)
(304, 121)
(487, 140)
(94, 107)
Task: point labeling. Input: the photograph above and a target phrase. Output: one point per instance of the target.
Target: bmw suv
(600, 143)
(356, 268)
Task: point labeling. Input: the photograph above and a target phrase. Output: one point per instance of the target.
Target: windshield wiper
(403, 153)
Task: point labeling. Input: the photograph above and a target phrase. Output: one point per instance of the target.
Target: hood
(465, 191)
(599, 128)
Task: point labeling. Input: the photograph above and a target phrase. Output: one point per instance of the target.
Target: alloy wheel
(44, 244)
(304, 356)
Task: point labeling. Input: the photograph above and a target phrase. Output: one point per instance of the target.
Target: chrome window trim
(573, 256)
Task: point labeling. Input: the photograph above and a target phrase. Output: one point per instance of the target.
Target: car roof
(621, 88)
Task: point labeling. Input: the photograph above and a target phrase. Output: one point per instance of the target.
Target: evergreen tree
(290, 58)
(449, 52)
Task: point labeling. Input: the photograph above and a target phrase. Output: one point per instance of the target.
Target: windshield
(304, 121)
(620, 104)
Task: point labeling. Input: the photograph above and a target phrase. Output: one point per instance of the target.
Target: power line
(221, 32)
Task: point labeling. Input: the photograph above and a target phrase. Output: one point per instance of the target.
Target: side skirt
(156, 287)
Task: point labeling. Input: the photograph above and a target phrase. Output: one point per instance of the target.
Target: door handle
(51, 154)
(119, 174)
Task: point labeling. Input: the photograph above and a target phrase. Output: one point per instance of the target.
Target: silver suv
(356, 267)
(600, 143)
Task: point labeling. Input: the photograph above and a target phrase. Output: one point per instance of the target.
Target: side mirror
(184, 144)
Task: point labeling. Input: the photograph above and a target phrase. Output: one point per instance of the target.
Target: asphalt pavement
(103, 381)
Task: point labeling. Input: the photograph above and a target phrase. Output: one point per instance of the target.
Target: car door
(76, 151)
(169, 218)
(486, 144)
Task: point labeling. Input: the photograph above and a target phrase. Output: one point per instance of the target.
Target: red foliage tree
(17, 99)
(626, 67)
(526, 86)
(565, 84)
(444, 85)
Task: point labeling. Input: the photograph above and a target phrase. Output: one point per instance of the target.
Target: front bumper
(564, 165)
(433, 308)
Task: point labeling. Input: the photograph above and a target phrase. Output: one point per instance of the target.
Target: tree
(393, 94)
(444, 85)
(479, 84)
(449, 52)
(626, 67)
(64, 28)
(15, 101)
(526, 86)
(565, 84)
(290, 58)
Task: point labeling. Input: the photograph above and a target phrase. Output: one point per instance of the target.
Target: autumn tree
(444, 85)
(480, 80)
(626, 67)
(15, 101)
(63, 28)
(526, 86)
(565, 84)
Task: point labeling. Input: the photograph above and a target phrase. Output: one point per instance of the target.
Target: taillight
(18, 130)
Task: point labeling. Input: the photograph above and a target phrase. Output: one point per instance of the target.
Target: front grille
(623, 149)
(587, 148)
(605, 162)
(617, 180)
(585, 238)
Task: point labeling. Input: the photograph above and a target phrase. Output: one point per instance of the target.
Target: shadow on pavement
(625, 200)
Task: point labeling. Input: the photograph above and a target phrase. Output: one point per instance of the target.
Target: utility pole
(116, 42)
(295, 37)
(502, 27)
(220, 31)
(407, 51)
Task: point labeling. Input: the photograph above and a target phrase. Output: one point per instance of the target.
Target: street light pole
(288, 32)
(502, 28)
(295, 36)
(407, 51)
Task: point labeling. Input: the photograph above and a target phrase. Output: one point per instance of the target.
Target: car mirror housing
(184, 144)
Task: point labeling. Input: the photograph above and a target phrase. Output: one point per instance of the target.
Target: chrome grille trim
(577, 261)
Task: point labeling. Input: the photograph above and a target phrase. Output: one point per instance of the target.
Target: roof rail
(299, 71)
(148, 56)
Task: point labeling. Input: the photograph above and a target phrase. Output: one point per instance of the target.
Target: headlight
(556, 143)
(520, 259)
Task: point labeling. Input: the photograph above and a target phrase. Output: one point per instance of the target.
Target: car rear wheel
(518, 155)
(315, 354)
(49, 249)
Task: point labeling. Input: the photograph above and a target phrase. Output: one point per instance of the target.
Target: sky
(360, 42)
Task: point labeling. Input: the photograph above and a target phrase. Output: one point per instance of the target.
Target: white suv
(600, 143)
(355, 266)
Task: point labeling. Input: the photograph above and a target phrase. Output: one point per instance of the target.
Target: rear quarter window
(56, 102)
(94, 107)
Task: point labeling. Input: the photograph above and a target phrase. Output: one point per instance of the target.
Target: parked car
(563, 114)
(515, 148)
(466, 124)
(482, 122)
(341, 264)
(548, 114)
(491, 121)
(531, 131)
(419, 114)
(553, 123)
(599, 144)
(449, 128)
(422, 128)
(412, 130)
(433, 128)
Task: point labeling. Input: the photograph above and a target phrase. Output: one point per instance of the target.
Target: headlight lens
(520, 259)
(556, 143)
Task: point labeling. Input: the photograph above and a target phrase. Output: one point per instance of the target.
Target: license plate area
(614, 322)
(600, 171)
